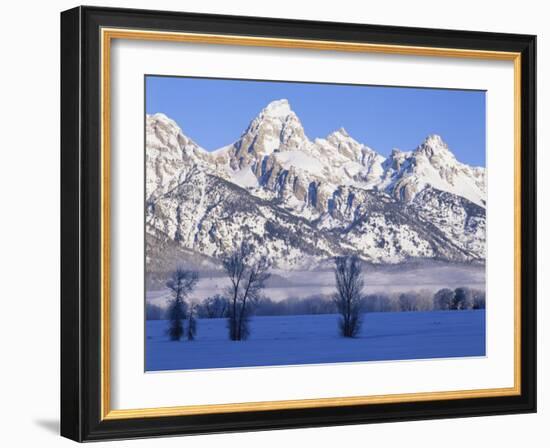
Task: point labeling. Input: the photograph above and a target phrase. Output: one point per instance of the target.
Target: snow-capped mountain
(432, 163)
(301, 201)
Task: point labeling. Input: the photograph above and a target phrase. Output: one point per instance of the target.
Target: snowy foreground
(313, 339)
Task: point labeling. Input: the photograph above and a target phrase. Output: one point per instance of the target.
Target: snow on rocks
(304, 200)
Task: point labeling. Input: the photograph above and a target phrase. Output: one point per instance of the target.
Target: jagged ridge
(302, 201)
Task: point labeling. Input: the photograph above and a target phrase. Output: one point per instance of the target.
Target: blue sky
(214, 112)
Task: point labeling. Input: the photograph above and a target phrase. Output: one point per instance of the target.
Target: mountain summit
(278, 109)
(306, 200)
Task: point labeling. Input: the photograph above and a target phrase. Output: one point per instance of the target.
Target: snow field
(314, 339)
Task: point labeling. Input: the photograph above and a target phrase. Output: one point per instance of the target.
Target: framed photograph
(273, 223)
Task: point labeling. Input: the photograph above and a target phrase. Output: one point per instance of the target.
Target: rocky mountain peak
(347, 146)
(434, 140)
(434, 145)
(432, 164)
(169, 153)
(397, 153)
(396, 159)
(275, 129)
(305, 201)
(340, 132)
(278, 109)
(162, 127)
(341, 136)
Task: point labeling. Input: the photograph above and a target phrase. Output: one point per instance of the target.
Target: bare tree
(247, 280)
(377, 302)
(408, 301)
(463, 299)
(348, 298)
(213, 307)
(180, 283)
(443, 299)
(479, 299)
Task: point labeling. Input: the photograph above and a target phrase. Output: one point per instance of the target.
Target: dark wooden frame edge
(80, 224)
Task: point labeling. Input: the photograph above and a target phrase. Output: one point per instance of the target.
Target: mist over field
(420, 276)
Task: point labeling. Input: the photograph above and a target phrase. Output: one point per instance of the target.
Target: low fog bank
(386, 288)
(387, 279)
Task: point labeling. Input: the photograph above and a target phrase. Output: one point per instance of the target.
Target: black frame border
(81, 223)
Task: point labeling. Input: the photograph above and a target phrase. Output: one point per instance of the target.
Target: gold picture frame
(108, 30)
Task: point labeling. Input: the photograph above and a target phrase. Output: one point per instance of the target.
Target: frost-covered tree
(214, 307)
(348, 297)
(443, 299)
(479, 299)
(463, 299)
(408, 301)
(247, 277)
(181, 283)
(289, 306)
(377, 302)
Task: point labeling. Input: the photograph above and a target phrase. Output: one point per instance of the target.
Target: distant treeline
(462, 298)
